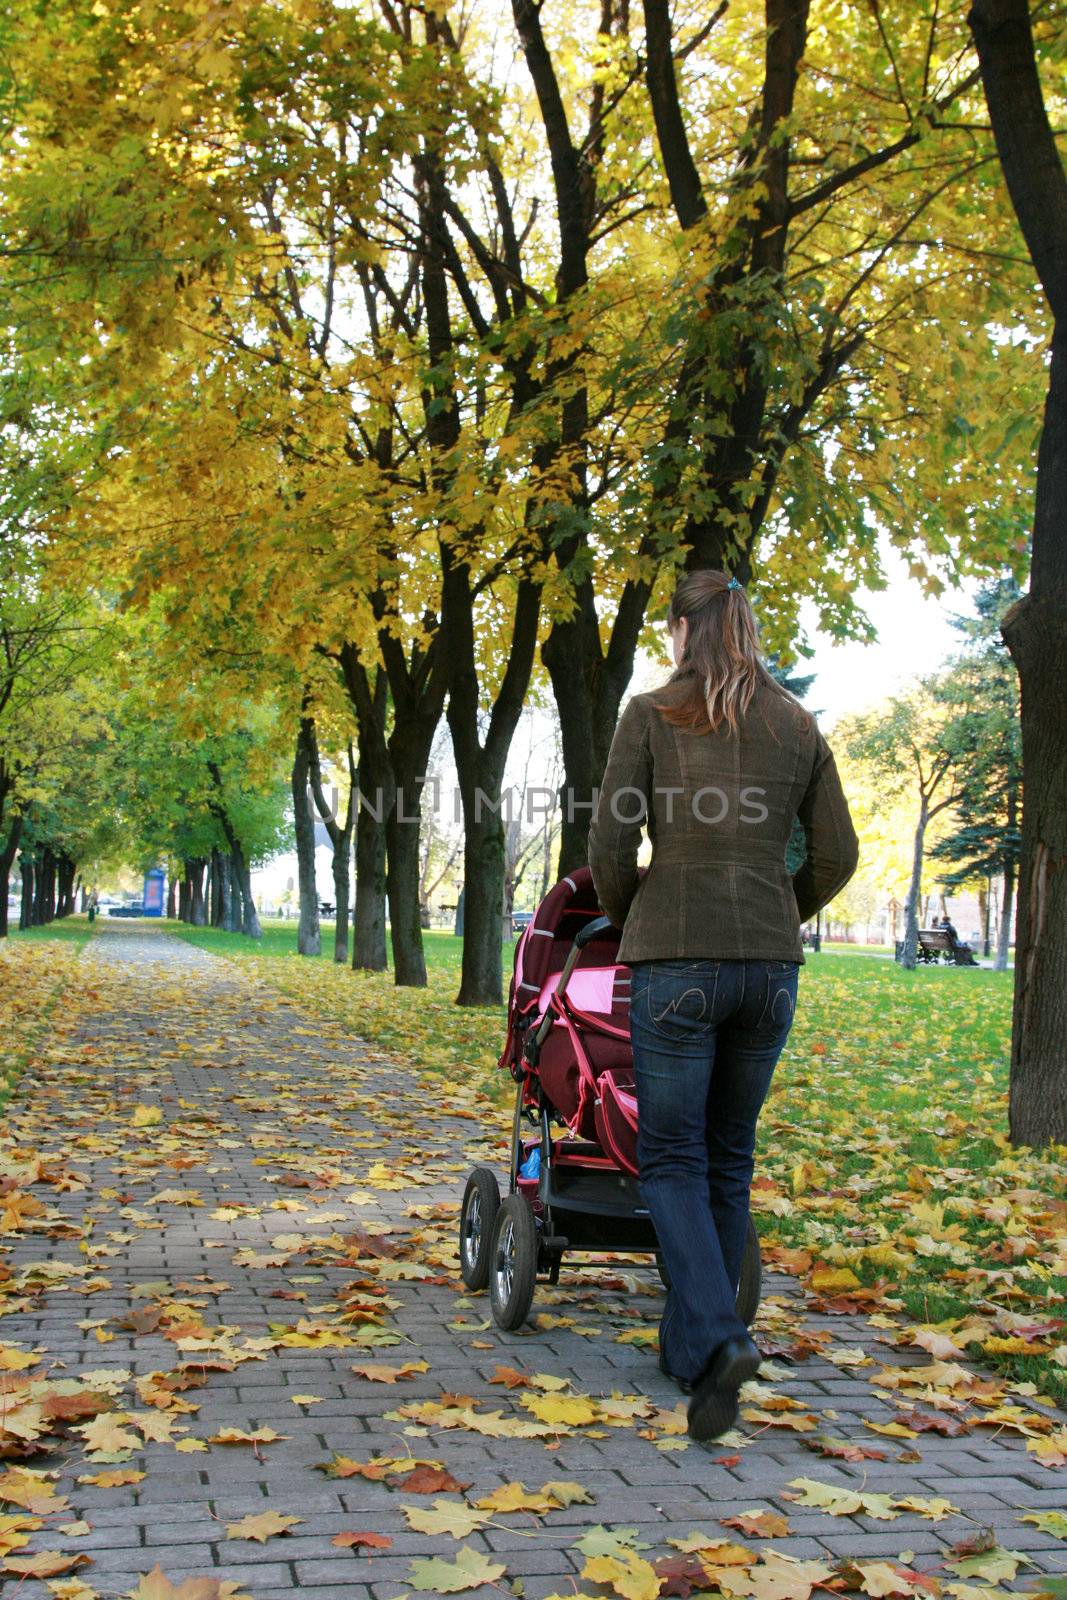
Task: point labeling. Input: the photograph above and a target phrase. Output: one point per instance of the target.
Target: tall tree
(913, 748)
(1036, 627)
(308, 936)
(808, 333)
(339, 827)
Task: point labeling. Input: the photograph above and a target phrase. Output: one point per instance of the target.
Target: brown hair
(721, 665)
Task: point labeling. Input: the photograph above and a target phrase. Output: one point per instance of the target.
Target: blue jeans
(707, 1036)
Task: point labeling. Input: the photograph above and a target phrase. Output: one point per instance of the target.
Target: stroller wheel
(481, 1202)
(513, 1263)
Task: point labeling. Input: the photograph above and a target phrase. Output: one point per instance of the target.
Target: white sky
(914, 636)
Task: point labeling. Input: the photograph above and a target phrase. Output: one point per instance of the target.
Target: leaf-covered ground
(35, 973)
(883, 1155)
(236, 1357)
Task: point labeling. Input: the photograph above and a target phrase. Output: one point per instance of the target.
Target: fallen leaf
(452, 1517)
(628, 1574)
(45, 1564)
(431, 1480)
(759, 1524)
(262, 1526)
(469, 1570)
(114, 1478)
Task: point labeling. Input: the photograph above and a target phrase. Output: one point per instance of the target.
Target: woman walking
(718, 764)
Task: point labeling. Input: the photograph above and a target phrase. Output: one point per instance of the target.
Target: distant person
(724, 759)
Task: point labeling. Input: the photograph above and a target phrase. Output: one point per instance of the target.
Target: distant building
(274, 885)
(886, 924)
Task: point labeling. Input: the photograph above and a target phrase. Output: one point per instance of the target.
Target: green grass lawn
(75, 929)
(444, 952)
(38, 969)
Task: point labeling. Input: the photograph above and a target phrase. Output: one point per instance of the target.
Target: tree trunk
(341, 842)
(235, 869)
(28, 872)
(1007, 906)
(587, 687)
(249, 919)
(217, 889)
(1034, 631)
(70, 873)
(408, 752)
(483, 902)
(60, 887)
(983, 916)
(237, 906)
(395, 770)
(480, 765)
(178, 895)
(911, 905)
(197, 911)
(1035, 635)
(374, 802)
(7, 857)
(1035, 628)
(368, 927)
(44, 889)
(342, 888)
(309, 936)
(227, 918)
(402, 883)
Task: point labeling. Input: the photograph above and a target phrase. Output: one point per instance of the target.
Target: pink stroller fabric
(584, 1064)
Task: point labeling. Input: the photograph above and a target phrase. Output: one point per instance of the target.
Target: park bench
(936, 945)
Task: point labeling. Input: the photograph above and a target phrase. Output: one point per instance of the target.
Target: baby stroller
(568, 1049)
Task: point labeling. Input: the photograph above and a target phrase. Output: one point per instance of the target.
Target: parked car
(135, 908)
(520, 920)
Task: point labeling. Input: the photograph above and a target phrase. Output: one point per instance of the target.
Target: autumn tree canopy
(398, 358)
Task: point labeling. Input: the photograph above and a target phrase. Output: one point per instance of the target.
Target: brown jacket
(720, 812)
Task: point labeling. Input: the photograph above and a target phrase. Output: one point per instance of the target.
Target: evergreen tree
(987, 837)
(798, 684)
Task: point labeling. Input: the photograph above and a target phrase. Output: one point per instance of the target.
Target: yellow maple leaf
(516, 1497)
(629, 1574)
(830, 1279)
(262, 1526)
(562, 1410)
(242, 1436)
(452, 1517)
(113, 1478)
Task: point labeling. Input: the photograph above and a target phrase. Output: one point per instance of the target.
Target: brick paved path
(301, 1142)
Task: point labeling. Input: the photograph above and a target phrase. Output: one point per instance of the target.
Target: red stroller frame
(568, 1048)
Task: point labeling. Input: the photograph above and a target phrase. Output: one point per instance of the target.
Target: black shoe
(713, 1408)
(683, 1383)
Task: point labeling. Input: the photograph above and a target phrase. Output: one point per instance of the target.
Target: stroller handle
(592, 930)
(584, 936)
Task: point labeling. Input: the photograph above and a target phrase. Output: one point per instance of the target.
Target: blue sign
(154, 891)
